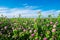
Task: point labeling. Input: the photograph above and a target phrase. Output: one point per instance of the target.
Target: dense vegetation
(30, 28)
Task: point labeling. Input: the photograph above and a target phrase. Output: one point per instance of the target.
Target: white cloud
(16, 11)
(27, 6)
(50, 12)
(25, 12)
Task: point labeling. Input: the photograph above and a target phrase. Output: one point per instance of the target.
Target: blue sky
(50, 6)
(41, 4)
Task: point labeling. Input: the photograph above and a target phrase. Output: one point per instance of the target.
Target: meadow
(30, 28)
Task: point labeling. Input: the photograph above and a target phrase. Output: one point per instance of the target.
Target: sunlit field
(30, 28)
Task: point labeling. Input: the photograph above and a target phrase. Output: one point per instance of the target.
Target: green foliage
(30, 28)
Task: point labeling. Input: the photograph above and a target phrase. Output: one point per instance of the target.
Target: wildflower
(5, 27)
(13, 28)
(54, 26)
(51, 22)
(53, 30)
(35, 30)
(0, 22)
(45, 38)
(56, 23)
(47, 25)
(32, 35)
(30, 31)
(24, 30)
(41, 34)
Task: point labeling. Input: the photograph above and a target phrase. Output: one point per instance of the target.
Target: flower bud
(32, 35)
(30, 31)
(51, 22)
(53, 30)
(24, 30)
(5, 27)
(35, 30)
(45, 38)
(54, 26)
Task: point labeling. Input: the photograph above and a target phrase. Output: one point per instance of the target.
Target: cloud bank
(11, 12)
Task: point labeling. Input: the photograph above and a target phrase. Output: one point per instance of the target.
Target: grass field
(30, 28)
